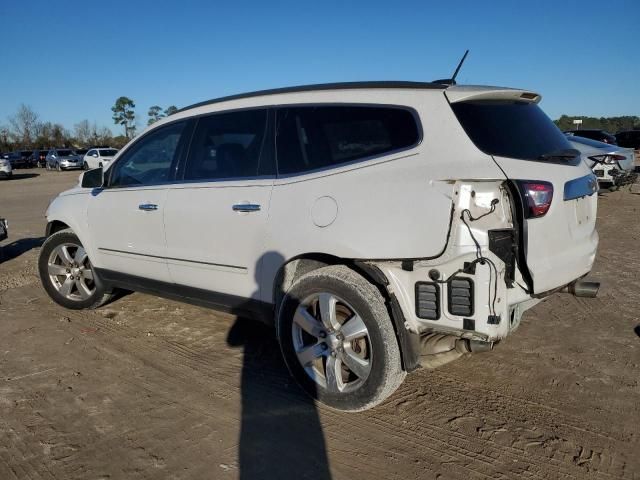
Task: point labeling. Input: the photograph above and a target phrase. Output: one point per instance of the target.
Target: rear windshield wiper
(564, 154)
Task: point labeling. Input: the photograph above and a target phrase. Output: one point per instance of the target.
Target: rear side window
(510, 129)
(310, 138)
(229, 145)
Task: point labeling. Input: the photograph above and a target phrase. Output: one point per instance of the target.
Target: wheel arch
(294, 268)
(55, 226)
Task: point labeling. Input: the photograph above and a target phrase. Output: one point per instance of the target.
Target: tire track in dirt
(451, 444)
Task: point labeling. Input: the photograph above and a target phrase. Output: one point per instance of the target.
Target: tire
(85, 289)
(373, 348)
(58, 167)
(85, 166)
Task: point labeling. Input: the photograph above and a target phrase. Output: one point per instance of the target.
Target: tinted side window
(149, 160)
(229, 145)
(310, 138)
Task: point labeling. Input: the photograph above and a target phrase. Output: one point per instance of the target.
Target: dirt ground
(150, 388)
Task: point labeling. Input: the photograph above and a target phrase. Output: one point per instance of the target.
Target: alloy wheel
(70, 272)
(331, 342)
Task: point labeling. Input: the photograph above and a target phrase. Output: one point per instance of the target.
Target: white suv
(382, 225)
(98, 157)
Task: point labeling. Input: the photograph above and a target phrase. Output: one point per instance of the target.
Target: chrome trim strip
(112, 250)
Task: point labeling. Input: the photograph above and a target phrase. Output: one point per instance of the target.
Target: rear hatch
(552, 186)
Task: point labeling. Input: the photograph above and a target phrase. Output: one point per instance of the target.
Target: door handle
(148, 207)
(246, 207)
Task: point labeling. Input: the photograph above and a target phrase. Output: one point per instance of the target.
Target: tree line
(610, 124)
(25, 130)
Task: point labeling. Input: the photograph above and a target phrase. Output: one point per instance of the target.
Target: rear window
(510, 129)
(311, 138)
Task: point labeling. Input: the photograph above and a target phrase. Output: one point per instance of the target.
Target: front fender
(70, 209)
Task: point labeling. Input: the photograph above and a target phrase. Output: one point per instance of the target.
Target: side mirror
(92, 178)
(94, 155)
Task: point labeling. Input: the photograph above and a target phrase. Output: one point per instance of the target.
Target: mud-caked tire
(338, 340)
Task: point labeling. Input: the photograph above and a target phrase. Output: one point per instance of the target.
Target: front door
(126, 217)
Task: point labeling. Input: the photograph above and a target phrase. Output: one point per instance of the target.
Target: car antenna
(452, 80)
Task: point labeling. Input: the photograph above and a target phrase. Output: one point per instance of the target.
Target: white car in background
(613, 165)
(5, 168)
(98, 157)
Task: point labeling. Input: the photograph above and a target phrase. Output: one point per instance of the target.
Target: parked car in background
(20, 159)
(629, 139)
(6, 171)
(81, 152)
(613, 165)
(362, 287)
(599, 135)
(38, 158)
(98, 157)
(63, 159)
(27, 161)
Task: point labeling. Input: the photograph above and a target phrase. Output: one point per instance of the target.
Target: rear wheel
(67, 274)
(338, 341)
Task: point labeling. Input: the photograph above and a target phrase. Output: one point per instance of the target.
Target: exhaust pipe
(583, 289)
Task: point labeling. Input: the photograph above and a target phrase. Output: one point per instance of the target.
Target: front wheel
(67, 274)
(58, 167)
(338, 341)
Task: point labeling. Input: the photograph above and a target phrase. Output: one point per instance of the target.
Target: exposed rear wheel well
(299, 266)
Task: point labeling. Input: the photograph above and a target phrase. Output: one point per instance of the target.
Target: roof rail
(323, 86)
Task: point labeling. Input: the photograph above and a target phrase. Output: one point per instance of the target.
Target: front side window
(310, 138)
(148, 161)
(229, 145)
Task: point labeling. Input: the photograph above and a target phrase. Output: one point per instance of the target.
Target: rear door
(216, 217)
(559, 239)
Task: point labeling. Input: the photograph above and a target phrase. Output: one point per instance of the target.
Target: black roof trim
(323, 86)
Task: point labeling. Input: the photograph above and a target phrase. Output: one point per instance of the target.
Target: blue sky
(70, 60)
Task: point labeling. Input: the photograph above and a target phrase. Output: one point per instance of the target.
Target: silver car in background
(63, 159)
(613, 165)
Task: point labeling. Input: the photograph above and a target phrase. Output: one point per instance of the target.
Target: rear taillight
(608, 159)
(536, 197)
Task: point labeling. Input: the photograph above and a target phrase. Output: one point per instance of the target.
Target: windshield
(111, 152)
(65, 153)
(510, 129)
(82, 151)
